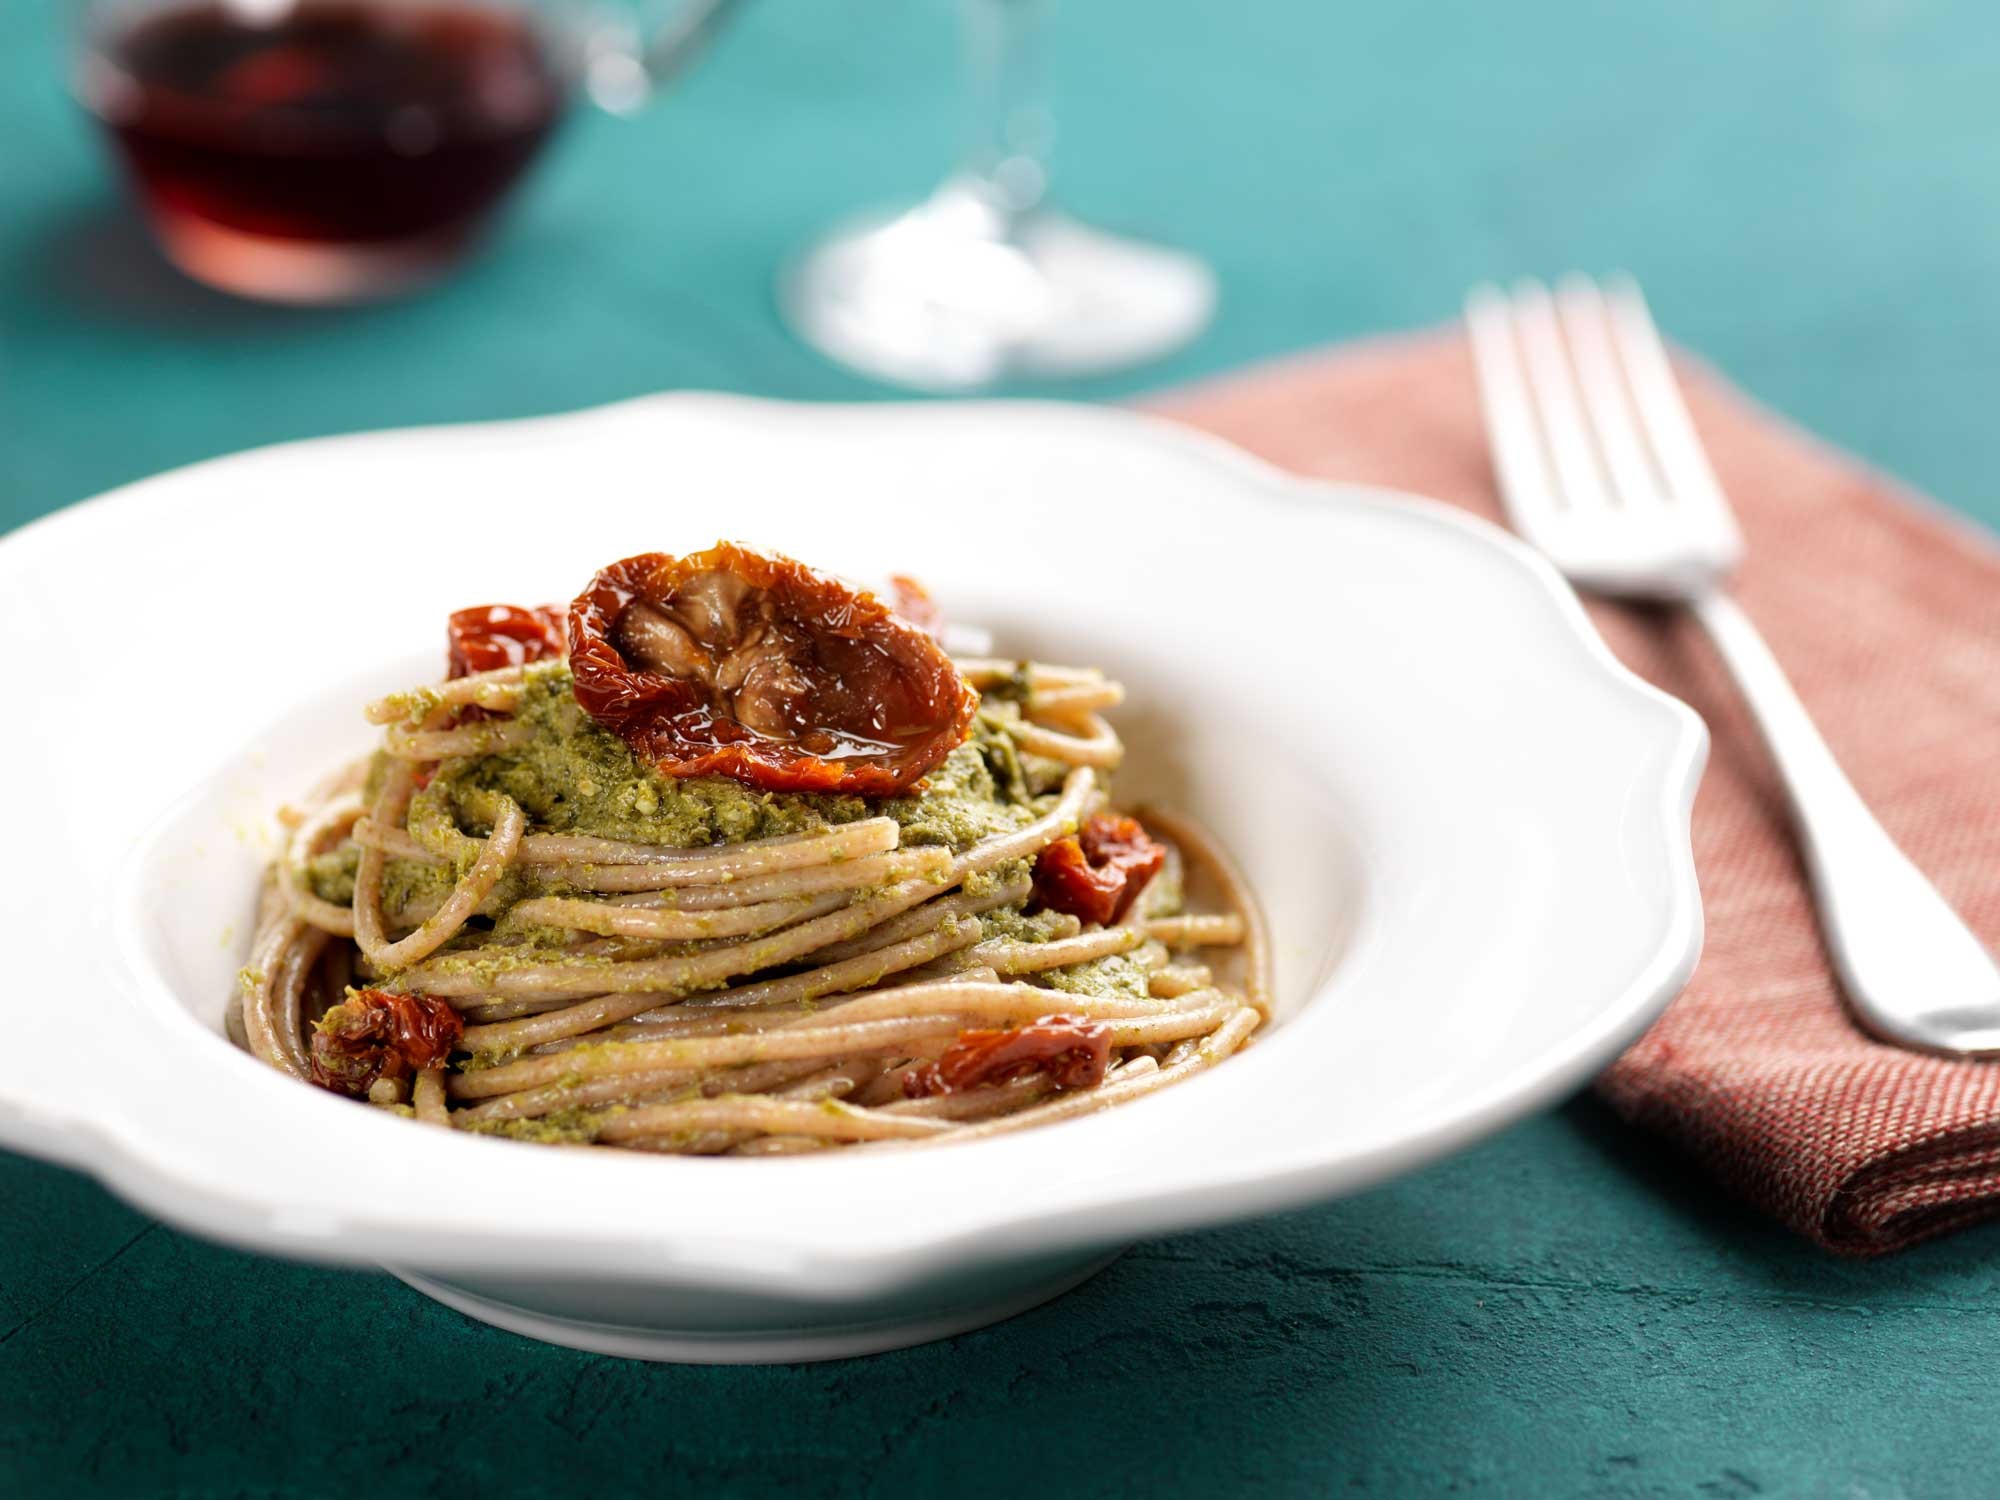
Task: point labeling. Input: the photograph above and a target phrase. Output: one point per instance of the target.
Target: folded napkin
(1886, 613)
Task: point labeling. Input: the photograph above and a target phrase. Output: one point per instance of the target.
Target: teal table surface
(1811, 190)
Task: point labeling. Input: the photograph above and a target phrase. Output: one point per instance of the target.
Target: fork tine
(1581, 308)
(1554, 386)
(1526, 485)
(1663, 411)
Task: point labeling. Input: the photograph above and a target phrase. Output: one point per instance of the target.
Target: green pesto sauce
(574, 776)
(1117, 974)
(330, 876)
(405, 882)
(414, 705)
(479, 1062)
(408, 882)
(1017, 773)
(575, 1126)
(1012, 924)
(495, 959)
(963, 801)
(987, 882)
(378, 772)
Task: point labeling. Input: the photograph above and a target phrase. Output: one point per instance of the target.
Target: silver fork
(1601, 470)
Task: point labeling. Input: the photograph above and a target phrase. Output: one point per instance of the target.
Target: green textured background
(1808, 189)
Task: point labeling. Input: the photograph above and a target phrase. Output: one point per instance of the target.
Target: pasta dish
(729, 856)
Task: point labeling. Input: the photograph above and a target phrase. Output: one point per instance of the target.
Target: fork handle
(1913, 971)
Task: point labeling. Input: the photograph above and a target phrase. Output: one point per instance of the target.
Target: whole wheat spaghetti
(729, 858)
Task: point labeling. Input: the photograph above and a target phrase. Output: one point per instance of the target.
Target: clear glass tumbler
(984, 281)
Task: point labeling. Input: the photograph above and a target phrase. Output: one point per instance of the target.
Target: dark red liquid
(339, 121)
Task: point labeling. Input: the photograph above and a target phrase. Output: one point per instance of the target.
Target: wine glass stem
(1010, 130)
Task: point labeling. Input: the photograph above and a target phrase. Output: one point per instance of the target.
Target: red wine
(351, 122)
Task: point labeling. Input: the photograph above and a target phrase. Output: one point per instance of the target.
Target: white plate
(1467, 822)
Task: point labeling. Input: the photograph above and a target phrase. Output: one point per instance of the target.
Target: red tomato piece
(375, 1034)
(915, 604)
(1073, 1052)
(489, 636)
(733, 663)
(1097, 873)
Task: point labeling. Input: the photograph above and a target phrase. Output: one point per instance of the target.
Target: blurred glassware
(983, 281)
(323, 151)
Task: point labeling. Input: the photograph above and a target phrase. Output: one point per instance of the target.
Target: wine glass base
(949, 296)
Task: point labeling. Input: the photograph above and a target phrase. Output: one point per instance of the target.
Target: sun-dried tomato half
(1073, 1052)
(915, 604)
(1097, 873)
(489, 636)
(732, 663)
(373, 1034)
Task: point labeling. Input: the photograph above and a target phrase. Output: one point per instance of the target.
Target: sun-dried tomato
(915, 604)
(732, 663)
(373, 1034)
(1097, 873)
(489, 636)
(1073, 1052)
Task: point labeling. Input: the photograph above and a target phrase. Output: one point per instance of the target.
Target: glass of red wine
(325, 151)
